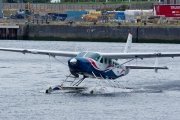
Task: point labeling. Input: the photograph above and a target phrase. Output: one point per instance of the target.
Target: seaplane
(97, 65)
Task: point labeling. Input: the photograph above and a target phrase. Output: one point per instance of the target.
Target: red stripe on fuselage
(93, 63)
(109, 66)
(122, 71)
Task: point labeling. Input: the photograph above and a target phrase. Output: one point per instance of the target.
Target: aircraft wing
(144, 67)
(43, 52)
(140, 55)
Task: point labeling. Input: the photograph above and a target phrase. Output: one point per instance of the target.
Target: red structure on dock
(167, 10)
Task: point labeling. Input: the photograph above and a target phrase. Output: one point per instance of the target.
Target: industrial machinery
(24, 13)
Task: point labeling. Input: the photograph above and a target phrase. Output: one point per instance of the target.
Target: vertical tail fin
(127, 47)
(128, 43)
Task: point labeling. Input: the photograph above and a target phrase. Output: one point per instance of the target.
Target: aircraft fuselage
(93, 65)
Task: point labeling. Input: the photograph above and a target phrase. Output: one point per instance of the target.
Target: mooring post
(137, 33)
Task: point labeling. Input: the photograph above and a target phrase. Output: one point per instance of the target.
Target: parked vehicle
(23, 13)
(58, 16)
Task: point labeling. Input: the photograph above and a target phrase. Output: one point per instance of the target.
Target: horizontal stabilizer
(145, 67)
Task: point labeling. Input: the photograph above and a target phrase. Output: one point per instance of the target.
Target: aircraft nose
(73, 61)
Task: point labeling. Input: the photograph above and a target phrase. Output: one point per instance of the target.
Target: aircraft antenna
(50, 60)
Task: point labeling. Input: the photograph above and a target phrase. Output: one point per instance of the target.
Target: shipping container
(76, 15)
(130, 15)
(167, 10)
(118, 15)
(95, 13)
(147, 12)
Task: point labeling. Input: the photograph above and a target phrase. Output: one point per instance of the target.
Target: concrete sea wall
(100, 33)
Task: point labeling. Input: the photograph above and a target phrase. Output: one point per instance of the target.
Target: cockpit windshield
(94, 56)
(81, 54)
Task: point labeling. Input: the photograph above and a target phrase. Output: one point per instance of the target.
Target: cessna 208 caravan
(98, 65)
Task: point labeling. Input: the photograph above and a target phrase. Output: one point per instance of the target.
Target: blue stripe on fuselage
(85, 66)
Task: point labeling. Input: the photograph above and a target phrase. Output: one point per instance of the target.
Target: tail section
(128, 43)
(127, 47)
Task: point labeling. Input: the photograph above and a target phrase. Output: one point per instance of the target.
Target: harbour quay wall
(95, 33)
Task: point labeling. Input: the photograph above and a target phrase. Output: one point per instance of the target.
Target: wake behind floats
(97, 65)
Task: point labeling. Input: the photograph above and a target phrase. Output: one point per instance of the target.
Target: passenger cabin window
(105, 60)
(81, 54)
(94, 56)
(109, 62)
(117, 65)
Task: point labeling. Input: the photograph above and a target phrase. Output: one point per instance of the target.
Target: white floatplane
(97, 65)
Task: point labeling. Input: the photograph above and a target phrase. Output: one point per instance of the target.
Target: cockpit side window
(98, 58)
(101, 61)
(81, 54)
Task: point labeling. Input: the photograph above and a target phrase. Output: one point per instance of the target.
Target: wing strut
(78, 82)
(156, 65)
(128, 61)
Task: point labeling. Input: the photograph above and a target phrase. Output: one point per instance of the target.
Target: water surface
(156, 95)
